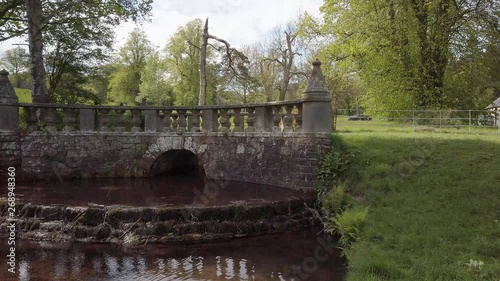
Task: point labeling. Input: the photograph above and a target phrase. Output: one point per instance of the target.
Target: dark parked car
(359, 117)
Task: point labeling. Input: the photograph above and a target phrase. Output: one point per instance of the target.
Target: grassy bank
(24, 95)
(433, 205)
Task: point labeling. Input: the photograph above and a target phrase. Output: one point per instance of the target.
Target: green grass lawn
(24, 95)
(434, 204)
(382, 125)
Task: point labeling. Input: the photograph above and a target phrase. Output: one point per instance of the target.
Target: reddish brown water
(270, 257)
(172, 190)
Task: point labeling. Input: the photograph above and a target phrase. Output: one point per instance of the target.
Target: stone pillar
(150, 120)
(263, 119)
(9, 114)
(210, 121)
(87, 120)
(316, 109)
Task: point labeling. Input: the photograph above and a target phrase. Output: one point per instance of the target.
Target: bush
(333, 164)
(348, 225)
(333, 201)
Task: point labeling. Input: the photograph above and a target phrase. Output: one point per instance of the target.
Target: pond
(299, 255)
(172, 190)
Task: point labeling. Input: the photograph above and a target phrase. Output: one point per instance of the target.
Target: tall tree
(154, 87)
(124, 84)
(284, 50)
(34, 15)
(182, 55)
(240, 85)
(229, 55)
(40, 16)
(401, 48)
(17, 63)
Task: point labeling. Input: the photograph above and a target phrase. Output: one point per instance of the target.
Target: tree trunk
(203, 63)
(35, 19)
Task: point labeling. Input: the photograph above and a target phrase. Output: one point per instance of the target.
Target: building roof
(495, 104)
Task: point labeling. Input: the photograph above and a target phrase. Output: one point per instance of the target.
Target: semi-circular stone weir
(156, 210)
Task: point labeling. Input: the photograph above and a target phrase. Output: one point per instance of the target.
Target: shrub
(348, 225)
(333, 164)
(333, 201)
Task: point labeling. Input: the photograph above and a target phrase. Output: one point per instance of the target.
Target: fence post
(440, 118)
(9, 114)
(470, 120)
(413, 118)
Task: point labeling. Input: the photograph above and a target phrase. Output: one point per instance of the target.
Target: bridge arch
(177, 161)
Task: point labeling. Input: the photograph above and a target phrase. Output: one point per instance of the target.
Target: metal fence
(460, 120)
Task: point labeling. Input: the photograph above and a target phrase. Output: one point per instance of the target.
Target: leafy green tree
(98, 80)
(40, 18)
(124, 84)
(183, 64)
(402, 49)
(16, 61)
(154, 87)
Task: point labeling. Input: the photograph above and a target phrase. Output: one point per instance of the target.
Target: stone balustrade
(269, 117)
(310, 114)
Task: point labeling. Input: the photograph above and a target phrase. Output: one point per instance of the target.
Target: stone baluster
(175, 122)
(160, 123)
(250, 119)
(288, 119)
(225, 125)
(103, 120)
(195, 120)
(167, 113)
(32, 118)
(182, 120)
(69, 119)
(238, 120)
(298, 118)
(50, 119)
(136, 120)
(276, 118)
(120, 120)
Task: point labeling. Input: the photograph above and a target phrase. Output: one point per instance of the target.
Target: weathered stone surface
(273, 159)
(134, 225)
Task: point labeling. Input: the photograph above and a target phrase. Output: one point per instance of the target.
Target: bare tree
(230, 52)
(284, 48)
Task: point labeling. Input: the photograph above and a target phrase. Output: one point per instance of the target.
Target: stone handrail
(271, 117)
(310, 114)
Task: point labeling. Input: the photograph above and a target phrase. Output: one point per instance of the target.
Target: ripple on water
(258, 258)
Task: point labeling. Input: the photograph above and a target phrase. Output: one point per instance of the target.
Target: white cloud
(240, 22)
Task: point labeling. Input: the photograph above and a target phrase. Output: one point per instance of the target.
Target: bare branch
(275, 60)
(191, 44)
(299, 73)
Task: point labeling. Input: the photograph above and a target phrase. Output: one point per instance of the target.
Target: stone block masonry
(278, 159)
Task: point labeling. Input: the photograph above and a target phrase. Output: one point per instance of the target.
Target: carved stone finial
(7, 93)
(316, 89)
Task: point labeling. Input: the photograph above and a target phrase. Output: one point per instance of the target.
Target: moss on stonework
(131, 225)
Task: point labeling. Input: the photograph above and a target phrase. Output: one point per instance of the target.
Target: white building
(494, 108)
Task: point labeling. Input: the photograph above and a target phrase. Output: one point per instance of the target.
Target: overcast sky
(240, 22)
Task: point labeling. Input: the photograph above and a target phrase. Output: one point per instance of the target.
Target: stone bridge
(277, 143)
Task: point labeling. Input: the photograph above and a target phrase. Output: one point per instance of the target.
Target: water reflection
(270, 257)
(172, 190)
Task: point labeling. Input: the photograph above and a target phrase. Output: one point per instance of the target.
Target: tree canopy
(408, 53)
